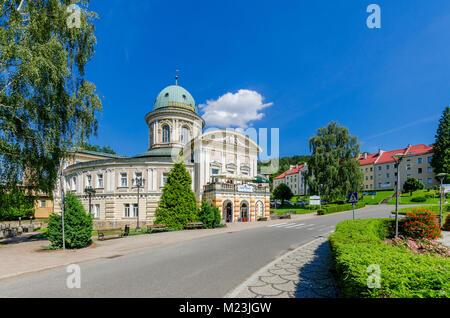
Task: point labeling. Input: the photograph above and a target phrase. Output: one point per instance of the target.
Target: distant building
(380, 173)
(295, 178)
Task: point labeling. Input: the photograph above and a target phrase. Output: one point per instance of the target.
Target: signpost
(353, 199)
(314, 200)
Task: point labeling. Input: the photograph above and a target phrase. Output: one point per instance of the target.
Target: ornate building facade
(222, 164)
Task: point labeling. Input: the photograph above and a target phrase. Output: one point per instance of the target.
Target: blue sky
(310, 62)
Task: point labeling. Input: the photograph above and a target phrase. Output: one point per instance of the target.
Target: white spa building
(222, 164)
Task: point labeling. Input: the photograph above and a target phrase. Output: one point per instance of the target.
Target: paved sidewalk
(302, 273)
(20, 256)
(445, 239)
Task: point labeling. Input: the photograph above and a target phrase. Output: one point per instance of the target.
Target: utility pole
(61, 184)
(399, 158)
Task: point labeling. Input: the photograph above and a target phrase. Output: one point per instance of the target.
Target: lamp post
(138, 183)
(90, 191)
(398, 159)
(441, 177)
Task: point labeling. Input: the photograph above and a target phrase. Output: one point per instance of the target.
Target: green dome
(175, 96)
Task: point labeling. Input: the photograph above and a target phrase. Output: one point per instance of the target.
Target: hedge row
(357, 244)
(340, 208)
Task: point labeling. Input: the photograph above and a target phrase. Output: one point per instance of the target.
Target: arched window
(184, 138)
(166, 133)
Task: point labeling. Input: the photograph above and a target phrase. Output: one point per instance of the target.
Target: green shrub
(358, 244)
(77, 225)
(420, 224)
(446, 226)
(333, 208)
(208, 215)
(419, 199)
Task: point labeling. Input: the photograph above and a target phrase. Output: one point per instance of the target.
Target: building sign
(244, 188)
(314, 200)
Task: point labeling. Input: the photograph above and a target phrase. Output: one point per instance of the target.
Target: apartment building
(380, 172)
(295, 178)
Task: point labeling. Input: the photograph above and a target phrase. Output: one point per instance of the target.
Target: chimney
(365, 155)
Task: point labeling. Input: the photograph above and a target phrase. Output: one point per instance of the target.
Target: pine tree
(441, 151)
(210, 216)
(178, 204)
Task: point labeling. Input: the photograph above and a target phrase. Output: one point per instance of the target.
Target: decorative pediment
(216, 164)
(231, 166)
(245, 167)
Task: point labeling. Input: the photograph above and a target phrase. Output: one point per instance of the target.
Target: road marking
(294, 225)
(277, 224)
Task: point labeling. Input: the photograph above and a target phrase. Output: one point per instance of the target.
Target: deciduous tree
(334, 169)
(46, 103)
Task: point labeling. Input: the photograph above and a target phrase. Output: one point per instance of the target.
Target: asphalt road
(204, 267)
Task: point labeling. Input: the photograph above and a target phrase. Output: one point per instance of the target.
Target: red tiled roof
(386, 156)
(370, 158)
(290, 171)
(295, 170)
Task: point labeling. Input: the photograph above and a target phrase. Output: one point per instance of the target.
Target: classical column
(154, 179)
(149, 179)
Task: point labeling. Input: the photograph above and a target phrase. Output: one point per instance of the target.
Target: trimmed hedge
(357, 244)
(328, 209)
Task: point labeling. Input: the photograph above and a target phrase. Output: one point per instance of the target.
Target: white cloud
(234, 110)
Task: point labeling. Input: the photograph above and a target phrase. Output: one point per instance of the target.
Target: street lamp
(398, 159)
(138, 183)
(441, 177)
(90, 191)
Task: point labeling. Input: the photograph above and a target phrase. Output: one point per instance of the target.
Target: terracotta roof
(290, 171)
(295, 169)
(370, 158)
(386, 156)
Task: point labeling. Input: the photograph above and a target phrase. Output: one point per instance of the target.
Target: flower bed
(420, 224)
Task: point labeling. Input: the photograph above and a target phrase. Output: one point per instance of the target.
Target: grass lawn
(380, 196)
(297, 211)
(405, 198)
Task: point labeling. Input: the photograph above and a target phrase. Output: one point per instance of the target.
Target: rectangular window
(371, 177)
(74, 183)
(379, 176)
(419, 160)
(387, 175)
(123, 179)
(367, 169)
(371, 169)
(367, 178)
(419, 170)
(408, 167)
(135, 210)
(42, 203)
(430, 180)
(96, 210)
(379, 168)
(127, 210)
(408, 175)
(164, 179)
(215, 171)
(100, 181)
(429, 169)
(429, 159)
(387, 167)
(88, 181)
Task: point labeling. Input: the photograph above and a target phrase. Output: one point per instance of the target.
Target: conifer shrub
(77, 225)
(178, 204)
(210, 216)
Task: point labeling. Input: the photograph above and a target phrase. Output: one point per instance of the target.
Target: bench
(194, 225)
(110, 232)
(152, 227)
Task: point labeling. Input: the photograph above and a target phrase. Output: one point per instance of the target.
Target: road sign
(353, 197)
